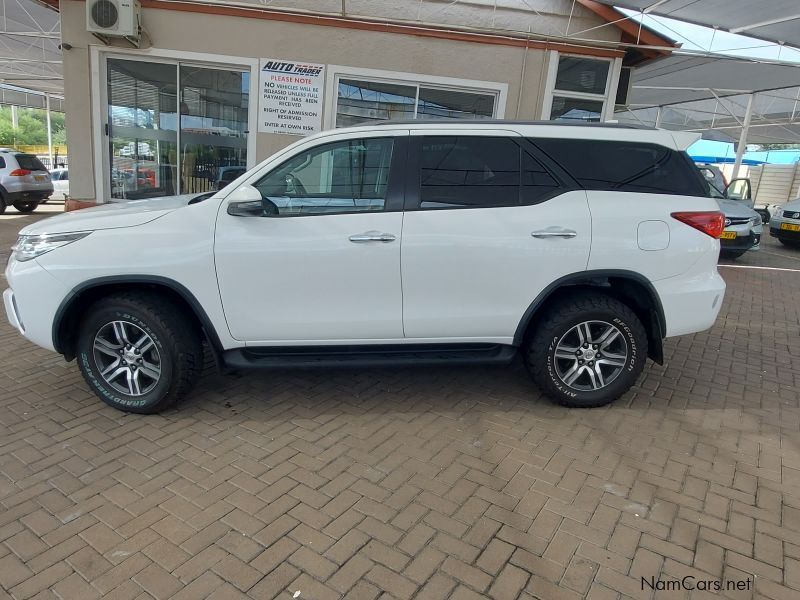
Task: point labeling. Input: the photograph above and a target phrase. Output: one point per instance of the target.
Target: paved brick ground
(460, 483)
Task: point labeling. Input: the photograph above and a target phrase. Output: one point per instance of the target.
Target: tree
(766, 147)
(32, 127)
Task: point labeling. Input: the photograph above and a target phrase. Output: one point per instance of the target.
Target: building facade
(215, 87)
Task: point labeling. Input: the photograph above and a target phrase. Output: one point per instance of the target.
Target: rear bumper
(691, 302)
(28, 195)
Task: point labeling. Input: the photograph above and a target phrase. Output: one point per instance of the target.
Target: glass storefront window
(213, 136)
(362, 101)
(143, 137)
(164, 140)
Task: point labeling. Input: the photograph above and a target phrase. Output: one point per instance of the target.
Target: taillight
(710, 222)
(19, 172)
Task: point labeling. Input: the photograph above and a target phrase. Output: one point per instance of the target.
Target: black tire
(789, 243)
(732, 254)
(2, 204)
(175, 339)
(26, 207)
(559, 322)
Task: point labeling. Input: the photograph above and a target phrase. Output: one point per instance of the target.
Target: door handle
(372, 236)
(555, 233)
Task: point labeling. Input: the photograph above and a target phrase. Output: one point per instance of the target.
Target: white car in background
(60, 179)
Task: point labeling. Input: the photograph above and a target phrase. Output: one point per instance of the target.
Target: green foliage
(32, 127)
(765, 147)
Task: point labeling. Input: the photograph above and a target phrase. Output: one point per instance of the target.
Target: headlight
(755, 221)
(775, 210)
(31, 246)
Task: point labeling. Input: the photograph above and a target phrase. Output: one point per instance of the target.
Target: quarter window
(479, 172)
(340, 177)
(625, 166)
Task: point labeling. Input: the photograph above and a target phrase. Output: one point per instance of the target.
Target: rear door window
(625, 166)
(479, 172)
(29, 162)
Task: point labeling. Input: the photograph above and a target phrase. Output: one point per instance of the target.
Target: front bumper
(784, 234)
(749, 240)
(33, 300)
(11, 311)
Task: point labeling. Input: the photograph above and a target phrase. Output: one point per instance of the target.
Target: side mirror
(740, 189)
(244, 201)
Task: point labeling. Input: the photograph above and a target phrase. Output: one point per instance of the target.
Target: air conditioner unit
(114, 18)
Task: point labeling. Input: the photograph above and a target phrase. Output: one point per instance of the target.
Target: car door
(314, 257)
(489, 224)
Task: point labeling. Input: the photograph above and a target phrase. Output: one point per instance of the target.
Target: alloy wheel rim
(591, 355)
(127, 358)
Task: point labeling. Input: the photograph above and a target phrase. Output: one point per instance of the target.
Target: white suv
(24, 181)
(578, 247)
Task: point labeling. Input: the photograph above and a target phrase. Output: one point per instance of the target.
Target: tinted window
(29, 162)
(626, 166)
(537, 183)
(2, 163)
(347, 176)
(478, 171)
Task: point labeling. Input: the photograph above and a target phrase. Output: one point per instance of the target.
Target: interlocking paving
(415, 483)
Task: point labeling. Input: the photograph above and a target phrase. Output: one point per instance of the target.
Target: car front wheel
(138, 352)
(587, 351)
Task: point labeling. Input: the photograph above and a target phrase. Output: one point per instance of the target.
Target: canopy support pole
(49, 130)
(740, 148)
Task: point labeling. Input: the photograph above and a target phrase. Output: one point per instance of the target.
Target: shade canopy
(29, 54)
(711, 94)
(771, 20)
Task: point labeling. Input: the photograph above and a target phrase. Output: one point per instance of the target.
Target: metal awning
(711, 95)
(29, 54)
(776, 21)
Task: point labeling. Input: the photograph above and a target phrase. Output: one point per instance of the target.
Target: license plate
(40, 178)
(728, 235)
(790, 226)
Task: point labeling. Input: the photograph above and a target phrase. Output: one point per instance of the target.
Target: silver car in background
(785, 223)
(24, 181)
(743, 225)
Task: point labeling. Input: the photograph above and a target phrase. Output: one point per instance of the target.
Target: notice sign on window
(291, 97)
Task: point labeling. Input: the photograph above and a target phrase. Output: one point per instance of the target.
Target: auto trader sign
(291, 97)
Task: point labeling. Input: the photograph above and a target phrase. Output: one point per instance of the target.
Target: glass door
(174, 128)
(213, 134)
(142, 128)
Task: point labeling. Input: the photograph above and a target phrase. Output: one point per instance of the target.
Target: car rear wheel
(26, 207)
(138, 352)
(2, 204)
(587, 351)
